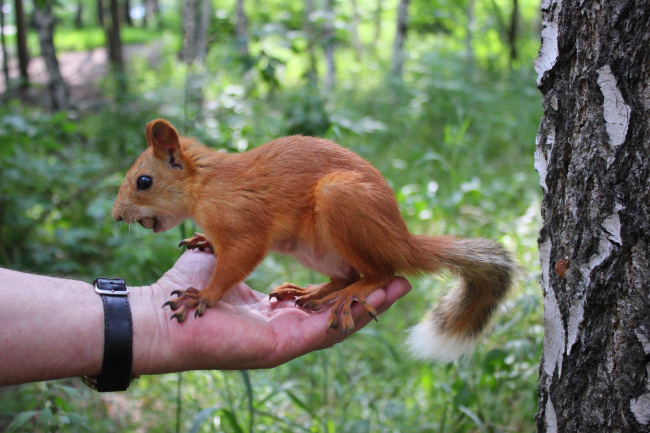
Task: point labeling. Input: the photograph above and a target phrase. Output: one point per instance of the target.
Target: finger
(395, 290)
(381, 300)
(310, 333)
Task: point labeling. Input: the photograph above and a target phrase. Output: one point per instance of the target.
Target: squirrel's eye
(144, 182)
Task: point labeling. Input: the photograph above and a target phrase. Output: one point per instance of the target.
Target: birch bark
(593, 158)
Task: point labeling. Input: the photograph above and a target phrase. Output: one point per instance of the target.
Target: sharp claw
(333, 325)
(180, 316)
(177, 293)
(373, 316)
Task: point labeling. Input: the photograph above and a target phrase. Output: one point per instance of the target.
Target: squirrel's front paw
(197, 241)
(186, 300)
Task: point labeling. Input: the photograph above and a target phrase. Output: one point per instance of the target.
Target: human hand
(244, 330)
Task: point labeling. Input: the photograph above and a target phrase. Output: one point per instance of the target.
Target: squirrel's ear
(163, 137)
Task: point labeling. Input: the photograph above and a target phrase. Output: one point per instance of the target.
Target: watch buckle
(112, 291)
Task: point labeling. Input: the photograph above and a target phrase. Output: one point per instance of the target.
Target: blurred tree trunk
(356, 41)
(127, 13)
(151, 10)
(310, 30)
(114, 46)
(205, 12)
(378, 24)
(397, 60)
(5, 59)
(44, 20)
(113, 36)
(100, 13)
(241, 31)
(21, 43)
(78, 15)
(512, 31)
(190, 18)
(594, 164)
(328, 45)
(196, 22)
(469, 51)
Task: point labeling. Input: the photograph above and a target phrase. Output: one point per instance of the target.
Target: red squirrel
(323, 204)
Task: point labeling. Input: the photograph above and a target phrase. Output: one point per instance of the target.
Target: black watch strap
(118, 337)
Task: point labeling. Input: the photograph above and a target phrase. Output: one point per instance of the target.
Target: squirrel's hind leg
(305, 296)
(341, 310)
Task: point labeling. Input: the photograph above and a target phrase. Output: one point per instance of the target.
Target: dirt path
(82, 72)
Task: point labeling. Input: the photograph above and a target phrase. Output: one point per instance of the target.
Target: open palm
(247, 330)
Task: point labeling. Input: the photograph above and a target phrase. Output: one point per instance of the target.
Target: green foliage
(455, 140)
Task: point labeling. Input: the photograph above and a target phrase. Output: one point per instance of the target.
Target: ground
(81, 70)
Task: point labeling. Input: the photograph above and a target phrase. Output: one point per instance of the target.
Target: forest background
(438, 94)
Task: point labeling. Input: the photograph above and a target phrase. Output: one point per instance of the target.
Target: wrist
(152, 351)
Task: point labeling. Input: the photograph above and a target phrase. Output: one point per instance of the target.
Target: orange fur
(312, 199)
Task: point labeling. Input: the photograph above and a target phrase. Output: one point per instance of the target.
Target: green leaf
(20, 419)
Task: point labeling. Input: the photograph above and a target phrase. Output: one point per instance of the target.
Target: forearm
(53, 328)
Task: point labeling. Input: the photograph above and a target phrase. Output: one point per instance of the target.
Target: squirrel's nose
(119, 219)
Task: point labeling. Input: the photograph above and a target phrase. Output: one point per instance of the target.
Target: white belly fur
(316, 258)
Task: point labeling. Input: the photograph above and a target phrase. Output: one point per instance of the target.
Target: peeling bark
(593, 158)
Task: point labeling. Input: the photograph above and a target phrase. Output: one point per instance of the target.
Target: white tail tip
(426, 342)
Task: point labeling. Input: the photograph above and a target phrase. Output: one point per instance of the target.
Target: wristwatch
(118, 337)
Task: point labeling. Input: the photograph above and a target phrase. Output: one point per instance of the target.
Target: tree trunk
(196, 21)
(512, 31)
(113, 36)
(354, 29)
(114, 45)
(127, 13)
(78, 15)
(5, 59)
(203, 21)
(241, 30)
(189, 31)
(594, 163)
(397, 60)
(44, 20)
(21, 43)
(312, 73)
(378, 24)
(100, 14)
(328, 46)
(469, 35)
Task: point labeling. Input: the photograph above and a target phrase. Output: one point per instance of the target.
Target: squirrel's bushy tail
(486, 273)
